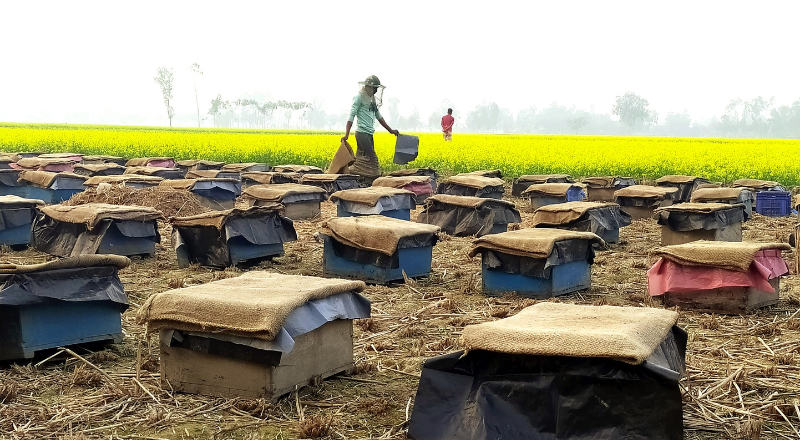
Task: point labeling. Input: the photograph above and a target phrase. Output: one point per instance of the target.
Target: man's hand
(345, 137)
(395, 132)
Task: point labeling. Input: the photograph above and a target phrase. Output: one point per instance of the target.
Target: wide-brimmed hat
(372, 81)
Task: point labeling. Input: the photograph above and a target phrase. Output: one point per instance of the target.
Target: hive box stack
(213, 174)
(259, 335)
(473, 185)
(249, 167)
(96, 228)
(103, 169)
(537, 263)
(601, 219)
(300, 202)
(375, 200)
(640, 200)
(543, 194)
(558, 371)
(103, 159)
(216, 194)
(687, 222)
(463, 216)
(163, 172)
(685, 185)
(198, 165)
(422, 186)
(16, 218)
(718, 277)
(11, 184)
(430, 172)
(731, 196)
(227, 238)
(601, 189)
(51, 187)
(266, 178)
(331, 182)
(60, 303)
(523, 182)
(129, 180)
(377, 249)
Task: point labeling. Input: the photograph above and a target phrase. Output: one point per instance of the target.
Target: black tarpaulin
(689, 221)
(11, 178)
(406, 149)
(379, 259)
(97, 283)
(484, 395)
(564, 251)
(13, 217)
(66, 239)
(463, 221)
(597, 220)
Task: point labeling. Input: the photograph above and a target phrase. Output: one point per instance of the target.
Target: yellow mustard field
(722, 160)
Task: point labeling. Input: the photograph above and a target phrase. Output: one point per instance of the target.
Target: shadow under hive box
(378, 249)
(523, 182)
(60, 303)
(421, 186)
(718, 277)
(216, 194)
(536, 263)
(687, 222)
(640, 200)
(331, 182)
(272, 333)
(601, 189)
(685, 185)
(543, 194)
(300, 202)
(731, 196)
(375, 200)
(463, 216)
(51, 187)
(558, 371)
(602, 219)
(16, 220)
(472, 185)
(229, 238)
(96, 228)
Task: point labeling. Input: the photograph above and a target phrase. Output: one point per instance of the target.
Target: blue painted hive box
(537, 263)
(16, 219)
(213, 193)
(543, 194)
(129, 180)
(11, 184)
(300, 202)
(375, 200)
(378, 249)
(558, 372)
(104, 169)
(602, 188)
(740, 196)
(473, 185)
(601, 219)
(60, 303)
(51, 187)
(331, 182)
(227, 238)
(774, 203)
(96, 228)
(463, 215)
(523, 182)
(685, 185)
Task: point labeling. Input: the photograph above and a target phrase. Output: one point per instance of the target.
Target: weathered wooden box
(730, 233)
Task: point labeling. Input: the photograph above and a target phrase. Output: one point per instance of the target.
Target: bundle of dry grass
(170, 201)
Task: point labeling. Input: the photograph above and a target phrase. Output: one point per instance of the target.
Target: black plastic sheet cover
(11, 178)
(66, 239)
(406, 149)
(454, 189)
(686, 221)
(270, 229)
(489, 396)
(98, 283)
(462, 221)
(565, 251)
(13, 217)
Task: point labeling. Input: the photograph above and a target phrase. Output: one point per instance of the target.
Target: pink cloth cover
(668, 276)
(162, 163)
(54, 168)
(419, 188)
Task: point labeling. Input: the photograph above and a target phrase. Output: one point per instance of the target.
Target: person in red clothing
(447, 125)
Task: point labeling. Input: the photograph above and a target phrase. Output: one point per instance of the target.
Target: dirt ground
(743, 378)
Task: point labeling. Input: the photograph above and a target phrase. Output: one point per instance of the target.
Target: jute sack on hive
(563, 213)
(710, 194)
(376, 232)
(143, 161)
(474, 181)
(400, 181)
(217, 218)
(646, 191)
(91, 214)
(736, 256)
(368, 196)
(45, 178)
(533, 243)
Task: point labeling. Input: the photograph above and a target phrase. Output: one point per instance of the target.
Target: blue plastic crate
(774, 203)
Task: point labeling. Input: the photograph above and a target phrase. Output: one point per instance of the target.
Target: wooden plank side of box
(729, 300)
(302, 210)
(730, 233)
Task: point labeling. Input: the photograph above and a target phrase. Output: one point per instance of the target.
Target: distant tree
(435, 121)
(678, 124)
(484, 118)
(785, 121)
(164, 79)
(392, 112)
(576, 124)
(196, 70)
(632, 110)
(216, 106)
(526, 120)
(756, 114)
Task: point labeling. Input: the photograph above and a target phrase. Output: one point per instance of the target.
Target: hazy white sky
(100, 57)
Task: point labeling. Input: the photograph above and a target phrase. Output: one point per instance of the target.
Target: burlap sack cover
(185, 184)
(532, 243)
(276, 193)
(98, 167)
(68, 263)
(217, 219)
(466, 201)
(410, 172)
(541, 178)
(203, 174)
(736, 256)
(147, 171)
(60, 156)
(45, 178)
(549, 189)
(600, 181)
(194, 162)
(238, 167)
(497, 174)
(143, 161)
(91, 214)
(797, 202)
(39, 162)
(645, 192)
(8, 201)
(102, 158)
(695, 208)
(708, 194)
(342, 159)
(676, 179)
(10, 157)
(400, 181)
(473, 181)
(296, 169)
(253, 305)
(368, 196)
(326, 178)
(565, 213)
(375, 232)
(754, 184)
(626, 334)
(116, 180)
(263, 177)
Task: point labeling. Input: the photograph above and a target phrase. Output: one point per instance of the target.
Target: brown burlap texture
(68, 263)
(16, 200)
(254, 305)
(143, 161)
(217, 219)
(239, 167)
(533, 243)
(466, 201)
(474, 181)
(342, 159)
(116, 180)
(185, 184)
(400, 181)
(296, 169)
(258, 176)
(101, 157)
(497, 174)
(797, 245)
(9, 157)
(736, 256)
(707, 194)
(375, 232)
(145, 171)
(276, 193)
(407, 172)
(203, 174)
(797, 202)
(91, 214)
(541, 178)
(368, 196)
(565, 213)
(645, 192)
(627, 334)
(676, 179)
(600, 181)
(754, 184)
(549, 189)
(59, 155)
(326, 177)
(45, 178)
(34, 163)
(194, 162)
(696, 208)
(98, 167)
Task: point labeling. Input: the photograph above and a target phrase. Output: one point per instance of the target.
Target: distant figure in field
(365, 108)
(447, 125)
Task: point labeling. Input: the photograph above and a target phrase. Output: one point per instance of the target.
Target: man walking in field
(447, 125)
(365, 108)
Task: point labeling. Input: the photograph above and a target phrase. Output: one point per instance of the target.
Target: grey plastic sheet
(406, 149)
(463, 221)
(97, 283)
(66, 239)
(13, 217)
(565, 251)
(389, 203)
(685, 221)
